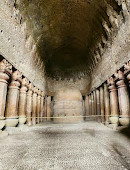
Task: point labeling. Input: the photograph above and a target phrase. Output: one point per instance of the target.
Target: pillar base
(22, 127)
(12, 130)
(107, 123)
(124, 121)
(29, 123)
(3, 134)
(11, 122)
(114, 119)
(113, 126)
(22, 120)
(33, 122)
(2, 123)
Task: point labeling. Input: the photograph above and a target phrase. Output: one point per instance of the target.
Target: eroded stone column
(22, 102)
(87, 106)
(45, 108)
(38, 106)
(107, 104)
(102, 104)
(42, 106)
(12, 100)
(123, 97)
(95, 105)
(98, 105)
(114, 117)
(29, 104)
(90, 106)
(5, 72)
(48, 108)
(34, 106)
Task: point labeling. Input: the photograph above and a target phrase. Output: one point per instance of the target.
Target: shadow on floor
(125, 131)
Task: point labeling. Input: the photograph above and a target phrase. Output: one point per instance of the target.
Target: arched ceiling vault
(67, 32)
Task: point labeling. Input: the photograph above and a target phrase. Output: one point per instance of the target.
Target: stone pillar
(123, 97)
(42, 106)
(87, 106)
(98, 105)
(34, 105)
(12, 100)
(38, 106)
(107, 104)
(95, 104)
(45, 108)
(29, 104)
(90, 106)
(5, 72)
(114, 118)
(22, 102)
(48, 108)
(102, 104)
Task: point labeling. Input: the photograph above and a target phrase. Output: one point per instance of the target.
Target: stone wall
(17, 46)
(114, 57)
(83, 85)
(68, 105)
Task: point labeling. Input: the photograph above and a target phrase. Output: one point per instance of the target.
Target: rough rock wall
(114, 57)
(17, 46)
(83, 85)
(68, 105)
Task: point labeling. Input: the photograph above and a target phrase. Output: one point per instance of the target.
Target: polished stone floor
(83, 146)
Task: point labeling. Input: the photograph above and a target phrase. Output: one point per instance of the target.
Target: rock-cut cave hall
(64, 84)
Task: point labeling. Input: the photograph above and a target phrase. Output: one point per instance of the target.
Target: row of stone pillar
(20, 101)
(110, 102)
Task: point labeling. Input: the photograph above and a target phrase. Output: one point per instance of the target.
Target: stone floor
(84, 146)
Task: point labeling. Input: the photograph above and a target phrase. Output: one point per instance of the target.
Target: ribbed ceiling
(67, 32)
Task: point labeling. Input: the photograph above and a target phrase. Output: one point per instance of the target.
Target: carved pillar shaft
(107, 104)
(45, 109)
(95, 104)
(5, 72)
(87, 106)
(29, 105)
(48, 108)
(90, 106)
(22, 102)
(42, 106)
(34, 105)
(38, 106)
(113, 102)
(12, 100)
(123, 97)
(102, 104)
(98, 105)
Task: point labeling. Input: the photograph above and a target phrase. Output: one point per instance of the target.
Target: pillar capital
(111, 84)
(42, 94)
(127, 67)
(120, 78)
(39, 92)
(30, 89)
(35, 90)
(24, 85)
(16, 78)
(5, 70)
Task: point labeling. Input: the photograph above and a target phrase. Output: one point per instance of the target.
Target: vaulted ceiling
(67, 32)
